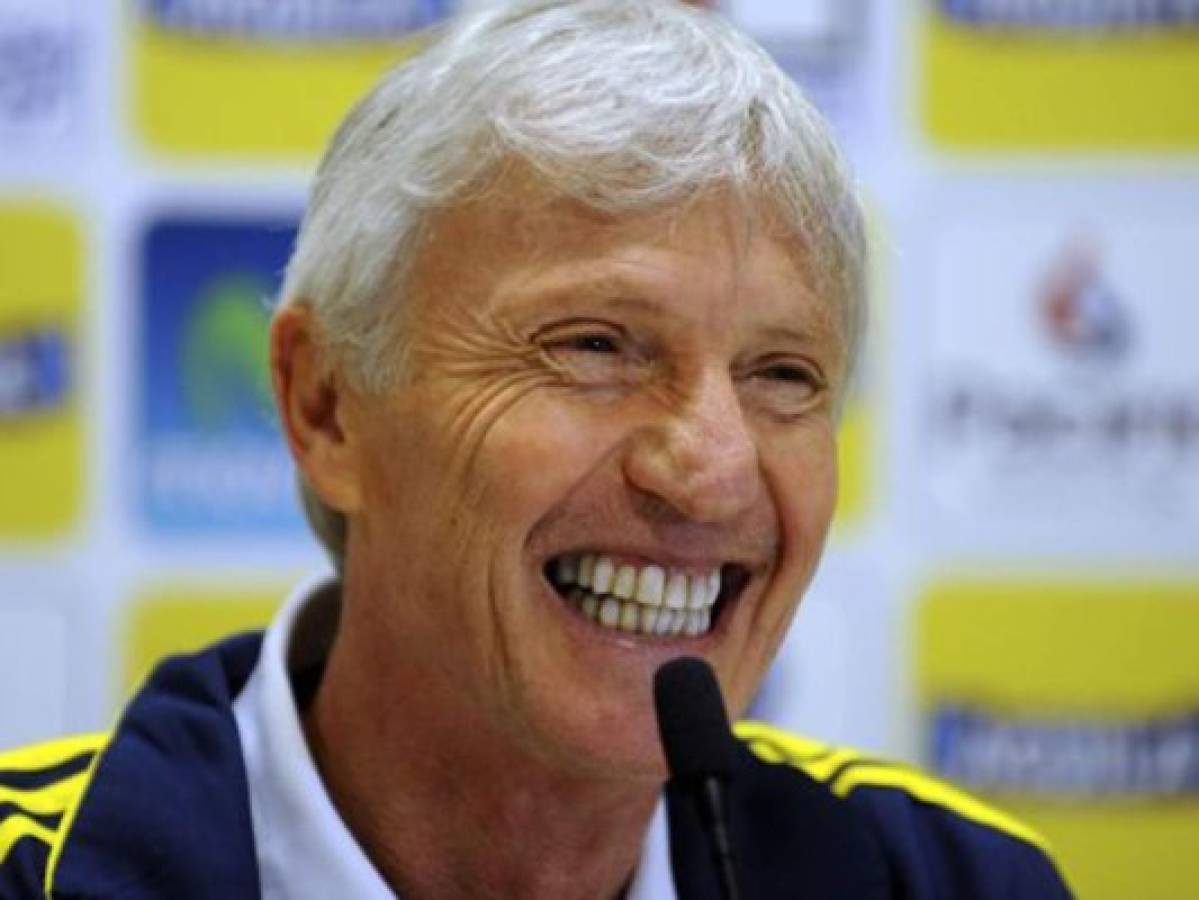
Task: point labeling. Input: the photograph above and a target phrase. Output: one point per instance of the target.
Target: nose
(700, 457)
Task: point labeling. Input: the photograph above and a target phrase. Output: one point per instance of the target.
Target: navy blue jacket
(161, 810)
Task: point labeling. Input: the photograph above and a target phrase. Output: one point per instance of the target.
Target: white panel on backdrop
(34, 666)
(1059, 403)
(834, 677)
(39, 45)
(35, 10)
(809, 20)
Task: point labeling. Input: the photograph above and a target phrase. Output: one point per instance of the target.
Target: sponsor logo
(1073, 14)
(1031, 423)
(296, 19)
(1081, 311)
(214, 459)
(1109, 75)
(1079, 413)
(1061, 399)
(1073, 702)
(38, 58)
(1067, 757)
(35, 372)
(41, 424)
(226, 384)
(227, 77)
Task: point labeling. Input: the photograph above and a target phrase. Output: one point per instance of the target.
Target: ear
(313, 403)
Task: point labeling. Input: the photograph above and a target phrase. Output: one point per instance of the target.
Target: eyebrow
(801, 335)
(619, 291)
(612, 289)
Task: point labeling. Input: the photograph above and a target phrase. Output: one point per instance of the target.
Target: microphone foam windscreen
(692, 720)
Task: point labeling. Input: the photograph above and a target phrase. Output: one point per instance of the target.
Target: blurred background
(1011, 594)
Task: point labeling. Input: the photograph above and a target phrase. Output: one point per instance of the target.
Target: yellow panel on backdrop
(855, 464)
(1075, 705)
(1028, 87)
(229, 96)
(185, 617)
(41, 432)
(858, 438)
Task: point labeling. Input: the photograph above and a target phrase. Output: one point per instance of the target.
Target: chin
(602, 738)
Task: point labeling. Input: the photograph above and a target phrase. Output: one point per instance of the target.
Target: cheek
(805, 483)
(540, 451)
(801, 475)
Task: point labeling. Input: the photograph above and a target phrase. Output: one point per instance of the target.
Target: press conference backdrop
(1011, 595)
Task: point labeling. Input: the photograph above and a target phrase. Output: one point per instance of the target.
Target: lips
(648, 599)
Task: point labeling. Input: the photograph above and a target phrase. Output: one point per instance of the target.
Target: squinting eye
(785, 388)
(592, 343)
(591, 354)
(793, 374)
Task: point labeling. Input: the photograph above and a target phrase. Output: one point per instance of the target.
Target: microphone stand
(713, 812)
(699, 750)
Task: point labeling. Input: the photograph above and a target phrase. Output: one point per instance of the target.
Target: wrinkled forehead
(516, 216)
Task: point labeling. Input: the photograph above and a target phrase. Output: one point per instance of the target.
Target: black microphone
(699, 751)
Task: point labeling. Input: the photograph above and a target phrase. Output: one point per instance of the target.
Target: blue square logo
(213, 458)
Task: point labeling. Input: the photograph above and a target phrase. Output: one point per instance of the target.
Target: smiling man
(560, 357)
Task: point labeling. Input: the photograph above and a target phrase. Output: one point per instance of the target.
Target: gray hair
(625, 105)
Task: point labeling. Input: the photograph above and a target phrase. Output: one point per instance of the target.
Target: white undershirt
(303, 847)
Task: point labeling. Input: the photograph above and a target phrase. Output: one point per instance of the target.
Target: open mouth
(646, 600)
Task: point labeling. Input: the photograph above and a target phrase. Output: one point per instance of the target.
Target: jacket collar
(791, 838)
(167, 811)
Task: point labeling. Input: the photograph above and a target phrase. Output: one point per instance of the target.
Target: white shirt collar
(304, 848)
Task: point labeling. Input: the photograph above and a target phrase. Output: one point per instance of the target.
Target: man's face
(617, 446)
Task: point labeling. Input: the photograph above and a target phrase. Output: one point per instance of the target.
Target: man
(560, 357)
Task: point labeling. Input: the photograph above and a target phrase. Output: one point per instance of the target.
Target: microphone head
(692, 720)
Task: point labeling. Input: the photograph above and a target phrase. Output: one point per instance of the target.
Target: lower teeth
(636, 618)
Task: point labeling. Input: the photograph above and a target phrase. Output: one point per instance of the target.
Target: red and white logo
(1081, 310)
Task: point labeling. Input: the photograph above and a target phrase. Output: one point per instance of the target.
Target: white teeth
(586, 567)
(628, 616)
(665, 618)
(646, 600)
(601, 578)
(636, 618)
(649, 585)
(676, 591)
(609, 613)
(625, 583)
(678, 618)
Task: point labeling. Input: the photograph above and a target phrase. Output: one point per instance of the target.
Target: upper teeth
(645, 600)
(649, 585)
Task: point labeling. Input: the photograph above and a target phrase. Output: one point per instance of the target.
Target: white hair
(625, 105)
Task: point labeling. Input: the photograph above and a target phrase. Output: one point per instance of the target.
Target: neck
(446, 810)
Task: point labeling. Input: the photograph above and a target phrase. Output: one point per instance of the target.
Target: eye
(592, 343)
(785, 387)
(590, 353)
(787, 374)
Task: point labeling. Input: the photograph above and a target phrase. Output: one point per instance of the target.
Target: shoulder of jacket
(41, 787)
(845, 771)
